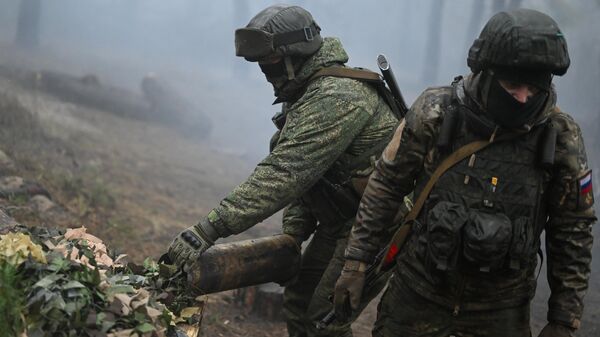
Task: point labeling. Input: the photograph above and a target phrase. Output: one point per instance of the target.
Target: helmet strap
(289, 66)
(487, 76)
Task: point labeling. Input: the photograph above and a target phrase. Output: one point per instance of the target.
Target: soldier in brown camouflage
(469, 266)
(331, 131)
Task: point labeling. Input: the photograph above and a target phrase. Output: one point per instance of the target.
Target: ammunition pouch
(444, 224)
(523, 244)
(487, 239)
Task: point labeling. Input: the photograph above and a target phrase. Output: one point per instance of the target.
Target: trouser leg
(512, 322)
(320, 304)
(297, 296)
(402, 312)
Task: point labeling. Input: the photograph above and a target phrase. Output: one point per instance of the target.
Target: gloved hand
(192, 242)
(556, 330)
(348, 289)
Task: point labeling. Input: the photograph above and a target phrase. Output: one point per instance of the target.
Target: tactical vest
(486, 213)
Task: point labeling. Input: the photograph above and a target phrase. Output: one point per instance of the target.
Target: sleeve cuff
(218, 224)
(296, 232)
(564, 318)
(352, 253)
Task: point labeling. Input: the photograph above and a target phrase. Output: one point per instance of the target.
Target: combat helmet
(520, 39)
(279, 30)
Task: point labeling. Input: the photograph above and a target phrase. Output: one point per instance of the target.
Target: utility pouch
(444, 223)
(522, 243)
(487, 239)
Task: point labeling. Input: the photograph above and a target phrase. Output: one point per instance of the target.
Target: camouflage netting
(67, 283)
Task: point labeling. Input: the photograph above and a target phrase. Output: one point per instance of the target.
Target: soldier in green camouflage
(331, 131)
(469, 266)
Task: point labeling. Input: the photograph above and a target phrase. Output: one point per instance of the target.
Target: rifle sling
(357, 74)
(402, 233)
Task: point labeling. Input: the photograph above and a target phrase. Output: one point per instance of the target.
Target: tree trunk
(241, 16)
(265, 301)
(475, 22)
(28, 24)
(515, 4)
(432, 51)
(499, 6)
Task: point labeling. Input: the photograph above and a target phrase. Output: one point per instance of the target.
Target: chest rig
(487, 212)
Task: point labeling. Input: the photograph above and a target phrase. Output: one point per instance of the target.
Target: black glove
(348, 289)
(557, 330)
(192, 242)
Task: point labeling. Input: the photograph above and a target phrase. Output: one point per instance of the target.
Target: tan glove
(348, 289)
(557, 330)
(192, 242)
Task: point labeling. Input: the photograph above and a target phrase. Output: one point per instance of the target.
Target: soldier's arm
(298, 220)
(393, 178)
(317, 132)
(569, 228)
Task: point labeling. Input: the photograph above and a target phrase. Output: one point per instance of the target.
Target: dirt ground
(132, 183)
(136, 184)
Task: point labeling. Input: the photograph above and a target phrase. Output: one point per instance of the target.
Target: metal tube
(244, 263)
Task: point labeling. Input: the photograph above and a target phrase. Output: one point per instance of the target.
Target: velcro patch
(585, 183)
(586, 193)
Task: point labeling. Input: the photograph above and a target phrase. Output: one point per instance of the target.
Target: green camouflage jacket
(566, 208)
(331, 126)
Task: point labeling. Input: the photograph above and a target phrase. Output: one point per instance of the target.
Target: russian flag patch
(585, 197)
(585, 183)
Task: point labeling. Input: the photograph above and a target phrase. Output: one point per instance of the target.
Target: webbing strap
(365, 76)
(357, 74)
(402, 233)
(301, 35)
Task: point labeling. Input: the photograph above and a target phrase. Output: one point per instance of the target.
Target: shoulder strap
(357, 74)
(402, 233)
(364, 76)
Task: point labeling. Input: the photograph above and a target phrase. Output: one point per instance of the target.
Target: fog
(189, 43)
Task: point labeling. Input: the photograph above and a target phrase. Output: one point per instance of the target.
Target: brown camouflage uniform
(462, 300)
(335, 129)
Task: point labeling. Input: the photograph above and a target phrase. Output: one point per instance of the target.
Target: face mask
(276, 74)
(507, 112)
(273, 69)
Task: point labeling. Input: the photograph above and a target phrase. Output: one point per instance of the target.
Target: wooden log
(157, 102)
(244, 263)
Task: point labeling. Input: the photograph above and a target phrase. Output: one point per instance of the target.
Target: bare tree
(28, 24)
(514, 4)
(504, 5)
(241, 15)
(475, 21)
(433, 46)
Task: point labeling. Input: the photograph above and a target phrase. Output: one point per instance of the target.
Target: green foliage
(11, 301)
(79, 296)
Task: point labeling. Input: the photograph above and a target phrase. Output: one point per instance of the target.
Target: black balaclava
(504, 109)
(282, 75)
(276, 74)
